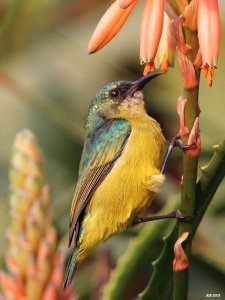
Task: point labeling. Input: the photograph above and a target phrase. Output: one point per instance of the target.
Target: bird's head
(119, 96)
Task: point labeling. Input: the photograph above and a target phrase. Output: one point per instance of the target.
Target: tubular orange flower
(209, 35)
(151, 29)
(166, 50)
(150, 33)
(110, 24)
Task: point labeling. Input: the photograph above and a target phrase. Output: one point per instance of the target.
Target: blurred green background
(47, 81)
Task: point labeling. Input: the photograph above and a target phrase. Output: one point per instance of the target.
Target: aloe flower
(209, 31)
(35, 266)
(151, 30)
(110, 24)
(115, 17)
(166, 50)
(162, 31)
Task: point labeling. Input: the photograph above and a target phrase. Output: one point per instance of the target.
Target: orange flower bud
(57, 271)
(180, 261)
(12, 285)
(45, 195)
(50, 292)
(18, 203)
(17, 178)
(51, 237)
(12, 264)
(67, 294)
(19, 254)
(109, 25)
(180, 110)
(26, 143)
(33, 232)
(37, 213)
(43, 260)
(194, 139)
(34, 287)
(34, 282)
(151, 29)
(209, 31)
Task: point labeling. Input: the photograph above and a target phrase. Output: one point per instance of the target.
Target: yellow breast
(126, 190)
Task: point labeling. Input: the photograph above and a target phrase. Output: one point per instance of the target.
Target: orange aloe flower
(166, 50)
(209, 28)
(110, 24)
(151, 28)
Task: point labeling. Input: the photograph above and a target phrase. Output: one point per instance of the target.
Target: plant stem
(190, 167)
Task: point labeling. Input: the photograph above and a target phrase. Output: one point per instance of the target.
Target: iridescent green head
(115, 91)
(113, 95)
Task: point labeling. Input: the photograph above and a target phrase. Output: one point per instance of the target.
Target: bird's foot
(175, 142)
(176, 214)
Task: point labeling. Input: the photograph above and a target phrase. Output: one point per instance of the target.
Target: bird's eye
(114, 93)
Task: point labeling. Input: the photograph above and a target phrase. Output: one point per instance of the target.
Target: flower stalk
(190, 167)
(35, 267)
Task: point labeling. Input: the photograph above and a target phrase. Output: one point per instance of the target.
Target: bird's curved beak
(138, 84)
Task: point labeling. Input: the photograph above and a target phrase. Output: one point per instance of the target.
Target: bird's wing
(102, 148)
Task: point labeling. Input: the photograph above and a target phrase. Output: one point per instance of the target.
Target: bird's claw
(182, 218)
(179, 143)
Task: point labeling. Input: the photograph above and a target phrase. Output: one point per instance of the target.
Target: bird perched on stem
(119, 169)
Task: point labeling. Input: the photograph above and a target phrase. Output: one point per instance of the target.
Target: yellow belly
(125, 191)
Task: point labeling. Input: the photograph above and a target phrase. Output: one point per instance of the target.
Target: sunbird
(119, 170)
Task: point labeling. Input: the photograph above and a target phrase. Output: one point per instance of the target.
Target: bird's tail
(70, 270)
